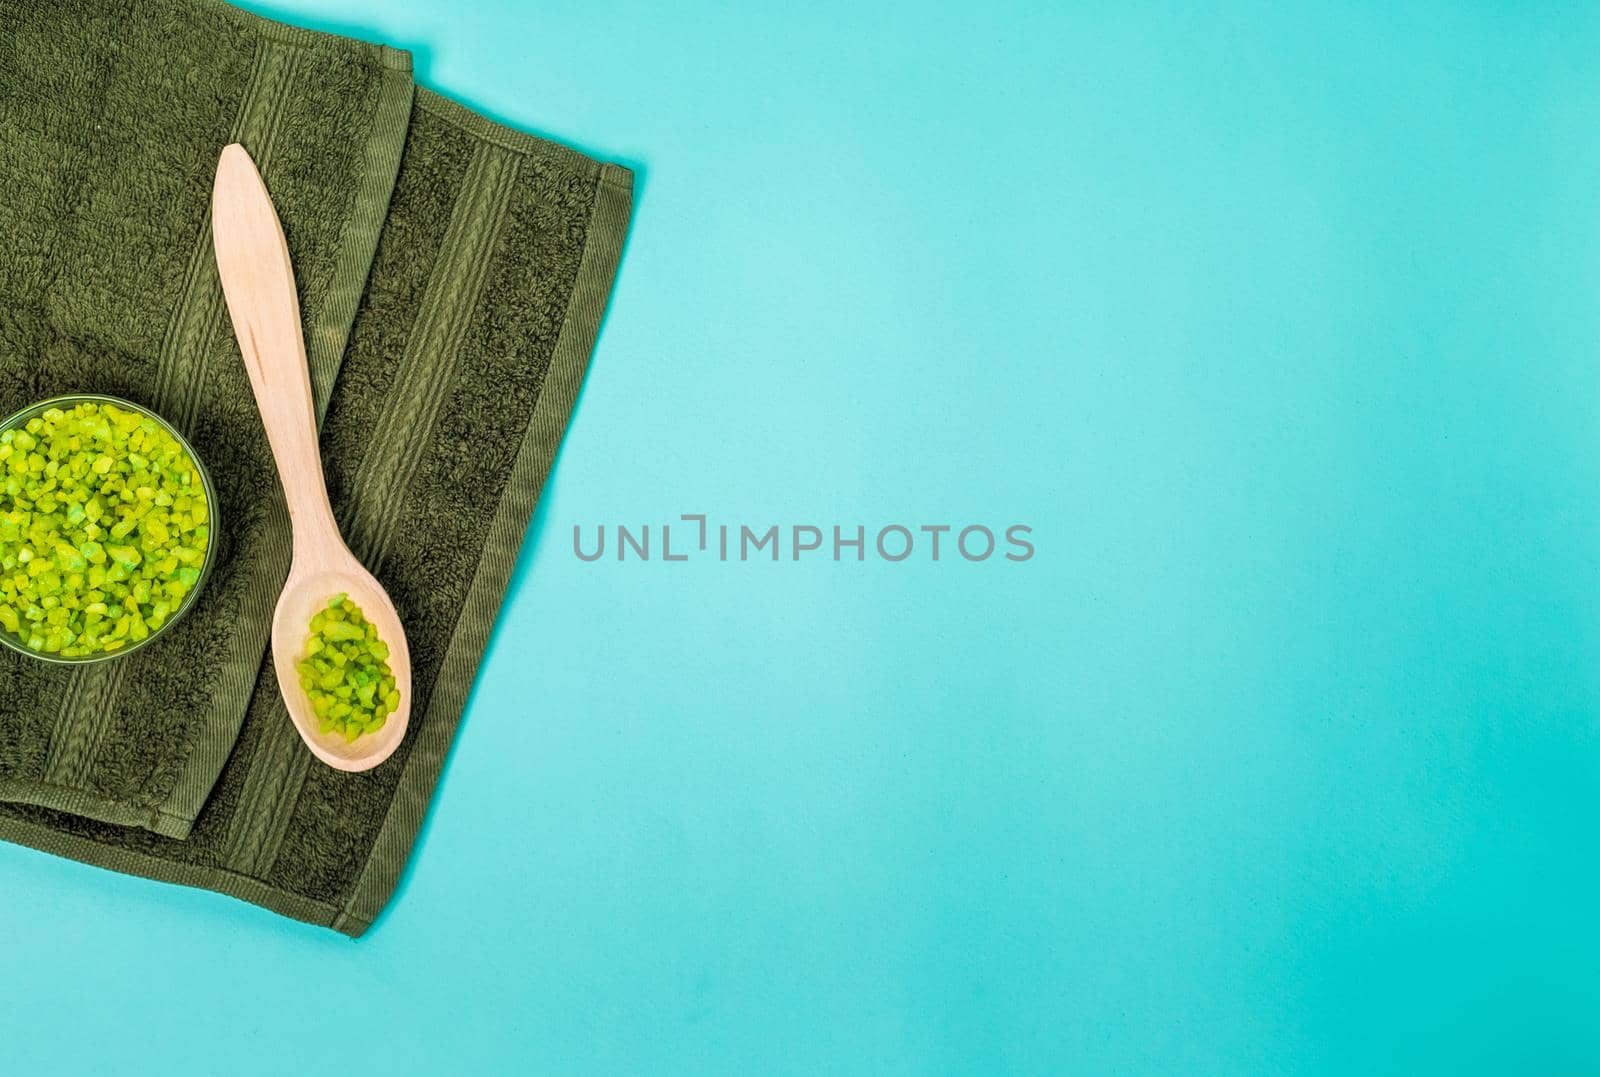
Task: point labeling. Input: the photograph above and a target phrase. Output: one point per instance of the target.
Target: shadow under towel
(453, 275)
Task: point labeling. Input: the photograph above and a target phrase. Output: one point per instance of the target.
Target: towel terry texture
(453, 274)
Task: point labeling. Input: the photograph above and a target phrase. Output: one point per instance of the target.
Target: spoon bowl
(258, 283)
(306, 593)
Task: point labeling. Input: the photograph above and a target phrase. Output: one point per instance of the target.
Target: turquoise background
(1278, 326)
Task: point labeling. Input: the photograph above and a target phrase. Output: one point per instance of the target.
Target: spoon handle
(258, 282)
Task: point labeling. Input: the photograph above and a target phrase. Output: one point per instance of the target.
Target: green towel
(453, 274)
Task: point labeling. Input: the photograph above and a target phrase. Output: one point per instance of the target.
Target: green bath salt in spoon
(346, 672)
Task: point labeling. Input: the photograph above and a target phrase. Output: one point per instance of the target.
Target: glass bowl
(208, 556)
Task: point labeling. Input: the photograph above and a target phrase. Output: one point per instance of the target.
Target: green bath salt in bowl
(107, 528)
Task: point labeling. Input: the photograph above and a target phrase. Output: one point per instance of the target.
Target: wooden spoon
(258, 281)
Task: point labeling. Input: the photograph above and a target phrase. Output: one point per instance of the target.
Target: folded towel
(453, 274)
